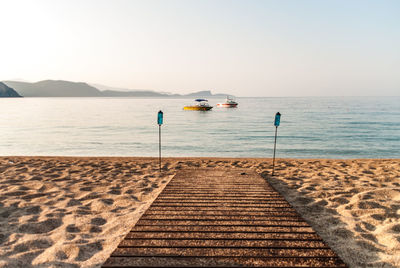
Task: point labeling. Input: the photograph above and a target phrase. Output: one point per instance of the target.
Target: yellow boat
(202, 105)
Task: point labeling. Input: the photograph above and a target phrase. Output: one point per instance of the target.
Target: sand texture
(70, 212)
(354, 205)
(73, 212)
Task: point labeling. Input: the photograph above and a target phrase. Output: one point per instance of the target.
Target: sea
(311, 127)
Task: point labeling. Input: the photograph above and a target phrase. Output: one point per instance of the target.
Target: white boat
(229, 103)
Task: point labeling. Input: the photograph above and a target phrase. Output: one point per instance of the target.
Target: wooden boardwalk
(212, 217)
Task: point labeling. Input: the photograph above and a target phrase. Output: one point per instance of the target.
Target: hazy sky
(246, 48)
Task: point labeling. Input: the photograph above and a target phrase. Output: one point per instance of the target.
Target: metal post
(273, 161)
(277, 121)
(159, 145)
(160, 116)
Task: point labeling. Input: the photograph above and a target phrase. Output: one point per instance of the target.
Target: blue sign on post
(160, 118)
(277, 119)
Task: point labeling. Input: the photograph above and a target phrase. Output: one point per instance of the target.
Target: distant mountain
(124, 92)
(54, 88)
(60, 88)
(7, 92)
(136, 93)
(148, 93)
(104, 88)
(205, 93)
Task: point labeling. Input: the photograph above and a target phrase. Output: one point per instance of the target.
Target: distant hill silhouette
(123, 92)
(205, 93)
(136, 93)
(60, 88)
(54, 88)
(7, 92)
(147, 93)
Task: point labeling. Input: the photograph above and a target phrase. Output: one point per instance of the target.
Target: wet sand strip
(223, 218)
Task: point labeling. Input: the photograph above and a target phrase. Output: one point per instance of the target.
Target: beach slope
(74, 211)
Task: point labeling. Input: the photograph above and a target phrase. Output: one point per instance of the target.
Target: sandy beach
(74, 211)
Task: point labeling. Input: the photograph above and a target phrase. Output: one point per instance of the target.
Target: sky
(241, 47)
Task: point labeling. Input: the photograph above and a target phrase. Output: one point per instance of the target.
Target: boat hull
(227, 105)
(195, 108)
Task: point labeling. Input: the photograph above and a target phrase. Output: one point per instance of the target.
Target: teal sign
(160, 118)
(277, 119)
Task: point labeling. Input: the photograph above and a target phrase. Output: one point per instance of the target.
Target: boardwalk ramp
(226, 218)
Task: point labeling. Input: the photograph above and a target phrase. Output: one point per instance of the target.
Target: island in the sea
(61, 88)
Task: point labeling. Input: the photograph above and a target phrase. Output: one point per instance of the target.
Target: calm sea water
(334, 127)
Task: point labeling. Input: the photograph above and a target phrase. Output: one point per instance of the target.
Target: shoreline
(72, 211)
(186, 157)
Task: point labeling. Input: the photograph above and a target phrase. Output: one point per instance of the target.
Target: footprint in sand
(86, 189)
(40, 227)
(115, 190)
(95, 229)
(72, 229)
(61, 255)
(340, 200)
(32, 245)
(74, 202)
(368, 226)
(396, 228)
(107, 201)
(98, 221)
(88, 250)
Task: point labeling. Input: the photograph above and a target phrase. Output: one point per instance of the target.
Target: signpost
(159, 122)
(276, 124)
